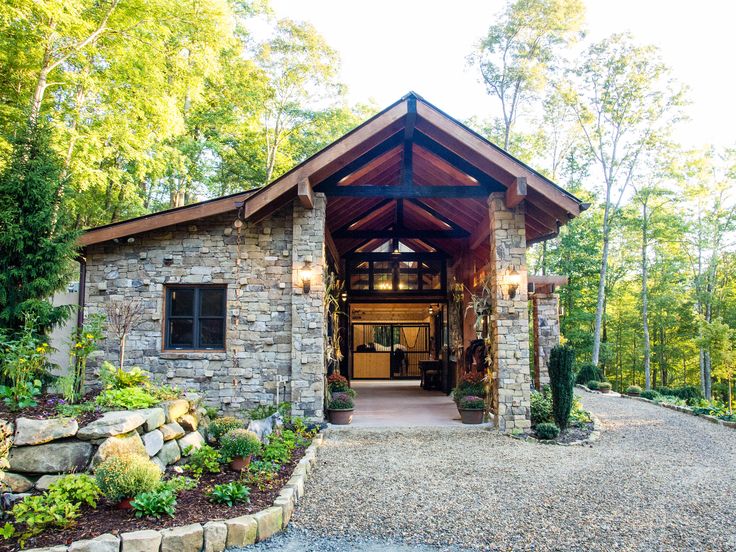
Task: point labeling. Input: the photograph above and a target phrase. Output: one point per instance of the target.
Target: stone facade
(273, 330)
(510, 316)
(546, 334)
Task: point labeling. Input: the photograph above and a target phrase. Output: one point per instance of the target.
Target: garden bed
(48, 407)
(571, 435)
(193, 506)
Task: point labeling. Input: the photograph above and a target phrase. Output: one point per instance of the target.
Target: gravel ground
(657, 480)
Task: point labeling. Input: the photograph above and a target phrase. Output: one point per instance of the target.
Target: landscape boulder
(14, 482)
(155, 417)
(169, 453)
(119, 445)
(63, 457)
(111, 424)
(175, 409)
(172, 431)
(36, 432)
(153, 441)
(190, 442)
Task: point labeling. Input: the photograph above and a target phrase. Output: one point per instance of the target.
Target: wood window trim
(165, 346)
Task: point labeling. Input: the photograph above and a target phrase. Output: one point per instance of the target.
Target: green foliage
(688, 393)
(205, 459)
(263, 411)
(594, 385)
(230, 493)
(541, 408)
(128, 398)
(547, 430)
(84, 342)
(122, 477)
(35, 251)
(604, 386)
(261, 474)
(239, 443)
(220, 426)
(76, 410)
(155, 504)
(562, 378)
(651, 394)
(22, 395)
(588, 372)
(113, 377)
(41, 512)
(471, 383)
(23, 364)
(578, 415)
(470, 402)
(280, 447)
(177, 484)
(76, 488)
(341, 401)
(633, 390)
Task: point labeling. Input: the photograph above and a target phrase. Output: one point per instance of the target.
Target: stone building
(402, 210)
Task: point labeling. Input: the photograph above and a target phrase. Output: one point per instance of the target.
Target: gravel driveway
(656, 480)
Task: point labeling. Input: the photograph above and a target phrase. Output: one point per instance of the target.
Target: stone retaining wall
(215, 535)
(42, 450)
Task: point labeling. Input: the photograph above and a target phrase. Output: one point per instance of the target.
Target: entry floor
(401, 403)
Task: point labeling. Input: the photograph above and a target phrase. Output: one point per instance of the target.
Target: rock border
(684, 410)
(594, 436)
(211, 536)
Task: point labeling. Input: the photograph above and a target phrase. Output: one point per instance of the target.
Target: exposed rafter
(407, 192)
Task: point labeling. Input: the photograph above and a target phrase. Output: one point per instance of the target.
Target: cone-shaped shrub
(562, 378)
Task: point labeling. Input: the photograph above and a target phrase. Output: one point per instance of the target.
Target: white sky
(390, 47)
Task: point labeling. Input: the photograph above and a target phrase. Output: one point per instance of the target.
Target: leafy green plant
(84, 342)
(280, 447)
(651, 394)
(114, 377)
(205, 459)
(471, 402)
(21, 395)
(471, 383)
(261, 474)
(265, 410)
(541, 408)
(79, 488)
(177, 484)
(220, 426)
(604, 386)
(588, 372)
(154, 504)
(166, 392)
(547, 431)
(128, 398)
(230, 493)
(23, 366)
(240, 443)
(633, 390)
(594, 385)
(578, 415)
(341, 401)
(562, 379)
(40, 512)
(76, 410)
(337, 383)
(127, 476)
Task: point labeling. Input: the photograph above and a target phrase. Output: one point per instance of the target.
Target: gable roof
(370, 150)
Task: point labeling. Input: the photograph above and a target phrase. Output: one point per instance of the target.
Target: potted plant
(341, 408)
(121, 478)
(633, 390)
(604, 387)
(238, 446)
(594, 385)
(471, 409)
(471, 384)
(340, 384)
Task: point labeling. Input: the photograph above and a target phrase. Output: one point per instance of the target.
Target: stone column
(510, 316)
(307, 310)
(546, 334)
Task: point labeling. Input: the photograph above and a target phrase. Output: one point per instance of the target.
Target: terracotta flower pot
(604, 390)
(341, 417)
(633, 394)
(240, 463)
(125, 504)
(468, 416)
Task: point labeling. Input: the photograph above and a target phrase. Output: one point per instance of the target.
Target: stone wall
(273, 334)
(510, 316)
(546, 334)
(42, 449)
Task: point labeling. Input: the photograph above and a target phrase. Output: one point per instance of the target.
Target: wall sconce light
(431, 310)
(306, 276)
(344, 296)
(512, 281)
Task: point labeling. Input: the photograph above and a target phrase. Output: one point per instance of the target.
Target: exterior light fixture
(344, 296)
(512, 280)
(306, 277)
(431, 310)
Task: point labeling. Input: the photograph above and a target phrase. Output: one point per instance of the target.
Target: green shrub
(166, 392)
(76, 410)
(113, 377)
(122, 477)
(689, 393)
(471, 383)
(562, 379)
(128, 398)
(341, 401)
(220, 426)
(541, 408)
(265, 410)
(78, 488)
(240, 443)
(633, 390)
(651, 394)
(41, 512)
(177, 484)
(578, 414)
(154, 504)
(279, 447)
(203, 460)
(594, 385)
(230, 493)
(471, 402)
(547, 431)
(260, 474)
(604, 386)
(588, 372)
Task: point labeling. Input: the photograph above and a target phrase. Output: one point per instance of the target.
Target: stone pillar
(307, 310)
(546, 334)
(510, 316)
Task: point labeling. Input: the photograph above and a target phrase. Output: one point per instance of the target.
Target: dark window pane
(359, 281)
(182, 302)
(181, 332)
(212, 302)
(211, 332)
(408, 281)
(383, 281)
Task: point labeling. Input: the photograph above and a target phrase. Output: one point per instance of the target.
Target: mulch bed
(570, 435)
(191, 507)
(46, 408)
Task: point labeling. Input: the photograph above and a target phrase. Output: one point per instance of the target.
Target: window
(195, 317)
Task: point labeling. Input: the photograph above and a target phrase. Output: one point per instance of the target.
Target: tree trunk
(601, 287)
(122, 351)
(644, 300)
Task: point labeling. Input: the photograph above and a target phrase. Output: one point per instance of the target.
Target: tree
(34, 255)
(625, 104)
(717, 338)
(517, 54)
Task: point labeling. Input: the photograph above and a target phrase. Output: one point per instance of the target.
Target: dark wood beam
(436, 214)
(406, 192)
(332, 248)
(402, 233)
(306, 193)
(377, 207)
(516, 193)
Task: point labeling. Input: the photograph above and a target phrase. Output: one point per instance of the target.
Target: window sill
(213, 354)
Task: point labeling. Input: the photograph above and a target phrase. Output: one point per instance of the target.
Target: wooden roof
(410, 172)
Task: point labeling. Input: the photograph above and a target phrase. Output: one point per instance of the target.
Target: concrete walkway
(401, 403)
